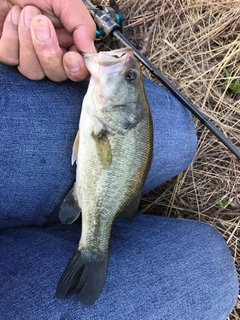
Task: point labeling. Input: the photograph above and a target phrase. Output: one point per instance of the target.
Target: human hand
(44, 38)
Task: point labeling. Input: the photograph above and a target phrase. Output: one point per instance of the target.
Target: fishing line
(110, 27)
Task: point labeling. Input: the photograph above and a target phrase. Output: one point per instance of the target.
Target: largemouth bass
(113, 152)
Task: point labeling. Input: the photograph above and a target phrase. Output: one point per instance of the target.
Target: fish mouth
(109, 58)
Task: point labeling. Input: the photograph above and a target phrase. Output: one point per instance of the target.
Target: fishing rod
(108, 26)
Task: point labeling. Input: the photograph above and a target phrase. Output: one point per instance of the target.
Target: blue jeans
(159, 268)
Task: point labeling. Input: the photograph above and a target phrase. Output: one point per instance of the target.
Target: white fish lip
(108, 58)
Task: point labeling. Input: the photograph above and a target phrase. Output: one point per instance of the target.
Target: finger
(65, 39)
(47, 48)
(29, 64)
(6, 6)
(9, 44)
(74, 66)
(77, 20)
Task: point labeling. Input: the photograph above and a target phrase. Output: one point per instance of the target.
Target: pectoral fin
(69, 211)
(130, 211)
(103, 148)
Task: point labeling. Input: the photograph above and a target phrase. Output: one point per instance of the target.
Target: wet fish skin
(113, 153)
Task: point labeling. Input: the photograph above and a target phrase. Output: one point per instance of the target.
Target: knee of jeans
(221, 270)
(186, 147)
(171, 159)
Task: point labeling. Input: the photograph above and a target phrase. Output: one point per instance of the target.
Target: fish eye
(130, 76)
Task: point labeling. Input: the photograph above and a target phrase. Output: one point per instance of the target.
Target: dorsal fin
(75, 148)
(130, 211)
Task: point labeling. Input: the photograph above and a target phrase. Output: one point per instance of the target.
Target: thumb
(77, 20)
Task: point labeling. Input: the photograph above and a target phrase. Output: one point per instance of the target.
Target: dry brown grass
(192, 42)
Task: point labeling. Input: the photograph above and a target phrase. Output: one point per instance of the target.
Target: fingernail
(29, 13)
(72, 64)
(41, 29)
(15, 14)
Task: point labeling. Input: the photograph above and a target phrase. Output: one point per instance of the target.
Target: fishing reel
(112, 10)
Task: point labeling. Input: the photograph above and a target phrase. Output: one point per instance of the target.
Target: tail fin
(85, 274)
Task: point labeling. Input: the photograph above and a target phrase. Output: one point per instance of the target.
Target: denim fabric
(159, 268)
